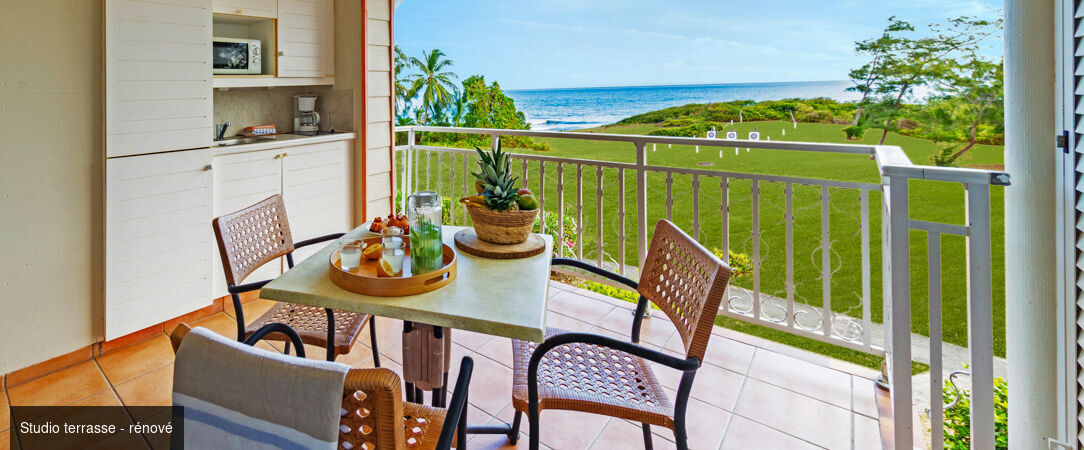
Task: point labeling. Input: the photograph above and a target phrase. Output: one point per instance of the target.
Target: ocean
(578, 108)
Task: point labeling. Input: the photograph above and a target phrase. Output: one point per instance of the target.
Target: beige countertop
(283, 140)
(501, 297)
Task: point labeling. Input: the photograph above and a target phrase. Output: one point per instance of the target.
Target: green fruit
(527, 202)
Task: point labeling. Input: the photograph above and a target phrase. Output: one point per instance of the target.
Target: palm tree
(433, 84)
(403, 92)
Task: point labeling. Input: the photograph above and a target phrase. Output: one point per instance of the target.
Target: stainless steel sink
(242, 140)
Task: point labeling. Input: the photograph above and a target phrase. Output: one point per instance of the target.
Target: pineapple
(498, 186)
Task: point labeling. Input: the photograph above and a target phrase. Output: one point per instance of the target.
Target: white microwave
(237, 56)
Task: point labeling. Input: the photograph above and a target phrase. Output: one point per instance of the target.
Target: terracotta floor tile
(728, 354)
(5, 440)
(499, 441)
(498, 349)
(388, 331)
(867, 433)
(103, 398)
(125, 363)
(152, 389)
(5, 412)
(802, 377)
(219, 323)
(582, 308)
(744, 434)
(864, 396)
(705, 424)
(622, 434)
(619, 320)
(805, 418)
(717, 386)
(74, 415)
(470, 339)
(568, 430)
(554, 320)
(656, 330)
(253, 309)
(60, 388)
(490, 386)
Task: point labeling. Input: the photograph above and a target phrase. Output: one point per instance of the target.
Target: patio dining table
(499, 297)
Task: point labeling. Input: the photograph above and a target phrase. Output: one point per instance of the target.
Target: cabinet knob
(240, 11)
(208, 167)
(278, 156)
(285, 155)
(282, 53)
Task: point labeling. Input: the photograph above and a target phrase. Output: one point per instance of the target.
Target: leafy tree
(880, 51)
(486, 106)
(432, 82)
(404, 89)
(912, 62)
(970, 110)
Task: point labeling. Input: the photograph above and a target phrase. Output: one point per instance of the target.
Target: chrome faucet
(220, 130)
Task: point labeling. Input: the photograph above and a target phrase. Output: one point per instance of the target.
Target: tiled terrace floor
(750, 393)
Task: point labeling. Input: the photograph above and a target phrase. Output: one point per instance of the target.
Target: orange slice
(373, 252)
(384, 269)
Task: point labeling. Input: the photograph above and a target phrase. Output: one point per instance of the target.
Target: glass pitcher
(424, 211)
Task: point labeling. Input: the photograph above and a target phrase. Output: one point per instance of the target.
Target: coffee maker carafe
(306, 119)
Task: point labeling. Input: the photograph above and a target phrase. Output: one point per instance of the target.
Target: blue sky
(576, 43)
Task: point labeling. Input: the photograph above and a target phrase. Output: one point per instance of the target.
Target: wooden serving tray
(363, 279)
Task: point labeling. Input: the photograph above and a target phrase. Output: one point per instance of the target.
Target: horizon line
(671, 85)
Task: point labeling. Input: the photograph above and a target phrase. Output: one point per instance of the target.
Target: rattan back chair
(259, 234)
(602, 375)
(374, 415)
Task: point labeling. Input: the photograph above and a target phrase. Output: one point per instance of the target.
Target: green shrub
(741, 264)
(605, 289)
(958, 418)
(854, 133)
(551, 229)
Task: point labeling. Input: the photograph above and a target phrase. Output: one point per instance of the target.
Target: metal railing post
(406, 169)
(641, 203)
(980, 318)
(899, 310)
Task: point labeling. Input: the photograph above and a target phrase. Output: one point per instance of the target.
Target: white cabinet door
(158, 238)
(158, 82)
(305, 45)
(254, 8)
(240, 181)
(317, 191)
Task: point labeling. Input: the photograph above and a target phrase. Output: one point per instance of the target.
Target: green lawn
(933, 201)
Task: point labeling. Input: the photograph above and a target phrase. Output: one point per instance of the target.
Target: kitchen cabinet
(158, 238)
(158, 81)
(314, 180)
(305, 38)
(252, 8)
(241, 180)
(316, 187)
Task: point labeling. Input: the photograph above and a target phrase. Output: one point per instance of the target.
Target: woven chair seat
(310, 322)
(593, 379)
(369, 407)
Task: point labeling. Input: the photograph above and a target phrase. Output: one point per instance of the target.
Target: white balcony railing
(776, 294)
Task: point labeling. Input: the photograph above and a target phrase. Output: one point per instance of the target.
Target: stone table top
(491, 296)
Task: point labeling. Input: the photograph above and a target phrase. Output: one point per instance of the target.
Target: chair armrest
(552, 342)
(457, 409)
(277, 328)
(247, 287)
(595, 270)
(317, 240)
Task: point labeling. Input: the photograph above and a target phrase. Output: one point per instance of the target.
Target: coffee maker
(306, 119)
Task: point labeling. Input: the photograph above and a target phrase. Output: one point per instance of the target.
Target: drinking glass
(394, 256)
(350, 252)
(424, 211)
(392, 237)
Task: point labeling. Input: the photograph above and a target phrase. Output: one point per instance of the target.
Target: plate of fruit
(378, 224)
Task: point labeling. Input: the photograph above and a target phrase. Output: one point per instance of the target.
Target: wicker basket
(509, 227)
